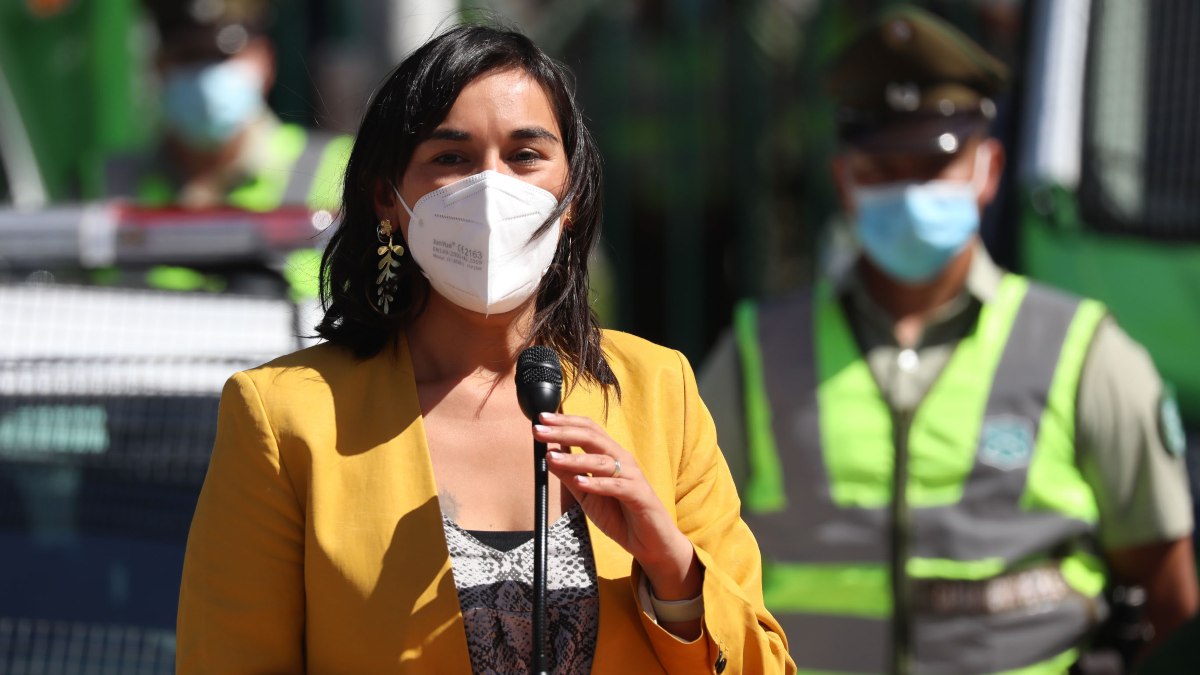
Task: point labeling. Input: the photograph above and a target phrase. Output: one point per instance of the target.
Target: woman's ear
(838, 168)
(261, 55)
(995, 168)
(568, 217)
(384, 199)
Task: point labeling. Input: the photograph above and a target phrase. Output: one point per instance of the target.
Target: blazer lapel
(620, 630)
(416, 585)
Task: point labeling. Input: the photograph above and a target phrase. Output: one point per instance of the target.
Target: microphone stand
(541, 490)
(539, 389)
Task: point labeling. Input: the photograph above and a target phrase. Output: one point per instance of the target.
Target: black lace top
(495, 592)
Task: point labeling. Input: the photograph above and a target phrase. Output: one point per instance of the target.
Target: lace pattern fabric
(495, 592)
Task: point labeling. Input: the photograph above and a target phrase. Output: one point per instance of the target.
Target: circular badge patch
(1006, 442)
(1170, 423)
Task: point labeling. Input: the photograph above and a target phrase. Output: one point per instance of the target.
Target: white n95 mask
(472, 240)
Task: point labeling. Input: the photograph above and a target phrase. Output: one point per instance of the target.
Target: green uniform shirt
(1141, 487)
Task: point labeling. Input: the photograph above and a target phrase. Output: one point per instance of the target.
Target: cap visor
(940, 135)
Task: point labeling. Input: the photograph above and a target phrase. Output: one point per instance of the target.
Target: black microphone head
(539, 364)
(539, 381)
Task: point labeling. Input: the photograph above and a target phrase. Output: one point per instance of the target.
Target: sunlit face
(502, 121)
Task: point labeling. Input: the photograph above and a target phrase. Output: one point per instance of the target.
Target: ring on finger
(616, 468)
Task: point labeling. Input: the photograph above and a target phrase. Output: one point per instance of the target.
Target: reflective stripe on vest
(992, 484)
(304, 169)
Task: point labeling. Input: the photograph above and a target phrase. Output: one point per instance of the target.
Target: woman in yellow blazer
(368, 499)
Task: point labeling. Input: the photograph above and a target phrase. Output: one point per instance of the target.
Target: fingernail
(554, 454)
(582, 480)
(547, 416)
(541, 427)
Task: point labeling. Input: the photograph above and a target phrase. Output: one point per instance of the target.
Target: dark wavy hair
(412, 101)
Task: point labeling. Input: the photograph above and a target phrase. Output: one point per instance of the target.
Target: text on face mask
(454, 252)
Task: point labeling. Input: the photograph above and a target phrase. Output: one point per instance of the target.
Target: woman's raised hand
(615, 495)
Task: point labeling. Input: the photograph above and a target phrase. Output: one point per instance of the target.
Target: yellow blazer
(317, 543)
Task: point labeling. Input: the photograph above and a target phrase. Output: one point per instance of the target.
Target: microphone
(539, 390)
(539, 381)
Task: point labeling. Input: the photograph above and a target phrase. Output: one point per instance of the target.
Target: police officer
(221, 145)
(945, 464)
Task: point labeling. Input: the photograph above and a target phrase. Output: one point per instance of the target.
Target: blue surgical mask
(209, 104)
(912, 230)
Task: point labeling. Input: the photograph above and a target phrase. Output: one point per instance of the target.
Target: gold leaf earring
(387, 281)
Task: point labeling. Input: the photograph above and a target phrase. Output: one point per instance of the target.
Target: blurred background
(119, 320)
(711, 117)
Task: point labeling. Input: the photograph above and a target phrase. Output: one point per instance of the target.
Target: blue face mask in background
(912, 230)
(207, 105)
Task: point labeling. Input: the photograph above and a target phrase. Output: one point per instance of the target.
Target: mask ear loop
(411, 218)
(402, 202)
(983, 157)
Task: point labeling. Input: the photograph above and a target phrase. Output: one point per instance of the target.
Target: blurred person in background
(945, 465)
(221, 145)
(369, 504)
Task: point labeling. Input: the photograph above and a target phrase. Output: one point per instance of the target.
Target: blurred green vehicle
(68, 95)
(1109, 169)
(1108, 189)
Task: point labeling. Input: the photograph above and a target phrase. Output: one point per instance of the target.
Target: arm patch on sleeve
(1170, 423)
